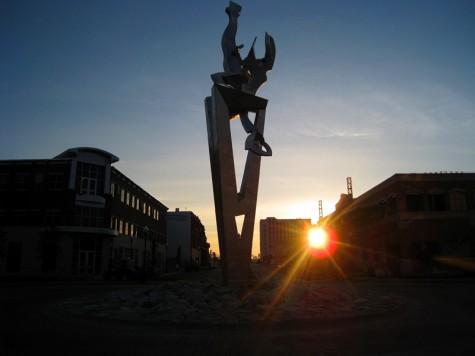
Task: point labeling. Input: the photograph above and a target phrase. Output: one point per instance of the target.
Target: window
(126, 228)
(115, 224)
(137, 204)
(121, 227)
(436, 201)
(415, 202)
(88, 186)
(4, 181)
(3, 217)
(55, 181)
(52, 217)
(14, 256)
(127, 198)
(133, 201)
(392, 205)
(145, 208)
(89, 216)
(113, 190)
(19, 217)
(36, 218)
(128, 253)
(22, 181)
(39, 178)
(458, 200)
(90, 179)
(122, 195)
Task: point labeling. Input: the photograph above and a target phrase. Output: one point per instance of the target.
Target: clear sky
(364, 89)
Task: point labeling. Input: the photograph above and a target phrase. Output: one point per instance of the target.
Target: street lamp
(144, 260)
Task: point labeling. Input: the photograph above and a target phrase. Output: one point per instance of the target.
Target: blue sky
(359, 88)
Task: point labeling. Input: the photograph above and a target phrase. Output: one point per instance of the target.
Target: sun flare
(317, 238)
(322, 242)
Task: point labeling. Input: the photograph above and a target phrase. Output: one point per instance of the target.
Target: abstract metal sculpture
(233, 95)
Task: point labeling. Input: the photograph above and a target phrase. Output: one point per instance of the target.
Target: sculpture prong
(269, 57)
(255, 142)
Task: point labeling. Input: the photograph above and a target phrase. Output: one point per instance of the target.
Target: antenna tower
(349, 186)
(320, 210)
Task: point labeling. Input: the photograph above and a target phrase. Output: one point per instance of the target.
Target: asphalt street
(438, 319)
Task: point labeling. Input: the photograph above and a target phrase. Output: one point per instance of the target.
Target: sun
(322, 242)
(317, 238)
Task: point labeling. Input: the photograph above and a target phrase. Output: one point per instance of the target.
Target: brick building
(72, 214)
(409, 225)
(281, 239)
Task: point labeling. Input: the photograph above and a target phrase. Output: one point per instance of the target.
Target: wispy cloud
(384, 114)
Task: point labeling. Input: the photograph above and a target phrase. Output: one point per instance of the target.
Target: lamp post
(144, 260)
(131, 257)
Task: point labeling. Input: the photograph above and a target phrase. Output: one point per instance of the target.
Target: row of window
(436, 201)
(54, 181)
(89, 216)
(386, 207)
(127, 228)
(33, 217)
(457, 201)
(24, 181)
(287, 230)
(135, 203)
(84, 216)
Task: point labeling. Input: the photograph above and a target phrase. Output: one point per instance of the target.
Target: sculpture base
(237, 270)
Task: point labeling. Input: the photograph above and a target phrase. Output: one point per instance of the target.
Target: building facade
(187, 242)
(282, 239)
(65, 217)
(409, 225)
(140, 222)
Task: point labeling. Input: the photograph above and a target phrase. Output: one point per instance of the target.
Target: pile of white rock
(208, 301)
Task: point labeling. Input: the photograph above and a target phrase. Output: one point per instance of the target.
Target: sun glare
(317, 238)
(322, 242)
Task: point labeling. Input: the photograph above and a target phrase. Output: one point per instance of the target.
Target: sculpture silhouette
(246, 75)
(233, 95)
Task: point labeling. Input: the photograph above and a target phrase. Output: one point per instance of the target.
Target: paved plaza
(356, 317)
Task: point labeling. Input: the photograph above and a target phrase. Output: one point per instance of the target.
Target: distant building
(281, 239)
(408, 225)
(73, 214)
(187, 242)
